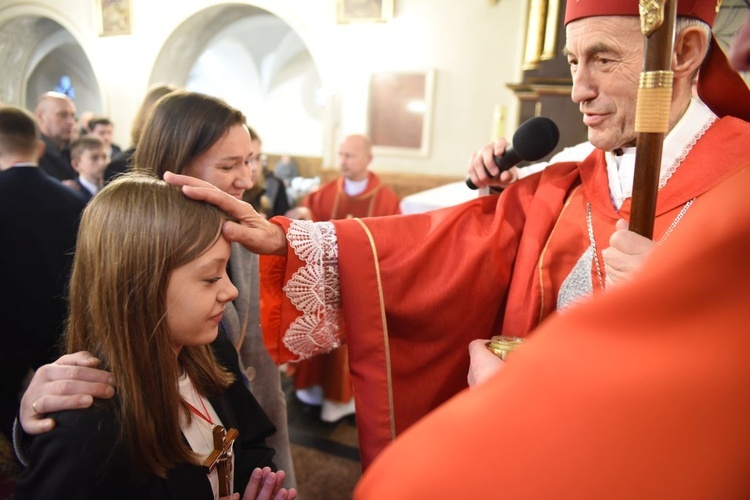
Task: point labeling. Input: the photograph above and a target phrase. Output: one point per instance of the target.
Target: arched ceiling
(275, 48)
(34, 53)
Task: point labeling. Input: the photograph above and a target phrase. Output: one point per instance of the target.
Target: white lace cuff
(314, 290)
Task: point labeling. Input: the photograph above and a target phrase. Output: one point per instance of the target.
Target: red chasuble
(641, 393)
(331, 201)
(417, 289)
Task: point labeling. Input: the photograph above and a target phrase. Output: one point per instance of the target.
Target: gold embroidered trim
(544, 251)
(385, 328)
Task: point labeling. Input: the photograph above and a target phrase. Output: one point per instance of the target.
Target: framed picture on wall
(364, 11)
(114, 16)
(399, 117)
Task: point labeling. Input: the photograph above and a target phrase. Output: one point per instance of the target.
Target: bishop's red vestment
(642, 393)
(415, 290)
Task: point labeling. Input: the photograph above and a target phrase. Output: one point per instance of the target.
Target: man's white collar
(620, 168)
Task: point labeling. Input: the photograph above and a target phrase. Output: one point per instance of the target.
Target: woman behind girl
(147, 294)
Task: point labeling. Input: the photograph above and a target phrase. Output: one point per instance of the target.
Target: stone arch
(36, 48)
(256, 61)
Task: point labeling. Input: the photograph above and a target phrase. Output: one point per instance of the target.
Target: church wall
(474, 47)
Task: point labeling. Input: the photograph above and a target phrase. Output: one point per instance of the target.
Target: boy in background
(89, 158)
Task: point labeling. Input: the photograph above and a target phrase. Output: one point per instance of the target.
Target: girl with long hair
(147, 294)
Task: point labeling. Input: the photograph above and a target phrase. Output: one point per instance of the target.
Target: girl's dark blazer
(80, 458)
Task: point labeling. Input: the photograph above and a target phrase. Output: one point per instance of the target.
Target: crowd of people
(630, 384)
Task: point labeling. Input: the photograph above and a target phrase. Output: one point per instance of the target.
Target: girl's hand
(266, 485)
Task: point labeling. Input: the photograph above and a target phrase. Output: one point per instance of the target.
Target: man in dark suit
(38, 226)
(56, 114)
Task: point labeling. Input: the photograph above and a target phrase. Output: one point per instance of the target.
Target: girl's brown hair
(132, 235)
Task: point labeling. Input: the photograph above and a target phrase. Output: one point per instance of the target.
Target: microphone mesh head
(535, 138)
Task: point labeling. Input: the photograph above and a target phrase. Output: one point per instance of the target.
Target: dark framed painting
(400, 112)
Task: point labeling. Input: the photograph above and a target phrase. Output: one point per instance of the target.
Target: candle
(498, 122)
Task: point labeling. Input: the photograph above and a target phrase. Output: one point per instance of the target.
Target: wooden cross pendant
(221, 458)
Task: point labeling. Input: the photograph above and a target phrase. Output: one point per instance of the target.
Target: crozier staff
(652, 112)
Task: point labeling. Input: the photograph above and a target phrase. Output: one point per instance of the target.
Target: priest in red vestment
(324, 380)
(639, 394)
(358, 192)
(414, 290)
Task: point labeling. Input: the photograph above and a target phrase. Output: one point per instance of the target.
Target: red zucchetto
(705, 10)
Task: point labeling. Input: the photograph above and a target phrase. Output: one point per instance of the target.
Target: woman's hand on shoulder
(72, 382)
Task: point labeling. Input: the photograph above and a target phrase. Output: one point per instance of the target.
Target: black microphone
(534, 139)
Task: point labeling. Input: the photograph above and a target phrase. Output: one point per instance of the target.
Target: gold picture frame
(364, 11)
(541, 33)
(114, 17)
(399, 118)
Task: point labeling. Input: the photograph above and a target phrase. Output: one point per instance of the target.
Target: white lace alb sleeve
(314, 290)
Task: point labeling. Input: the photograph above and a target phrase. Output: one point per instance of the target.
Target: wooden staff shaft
(652, 114)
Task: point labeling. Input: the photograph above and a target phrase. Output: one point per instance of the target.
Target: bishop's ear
(690, 49)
